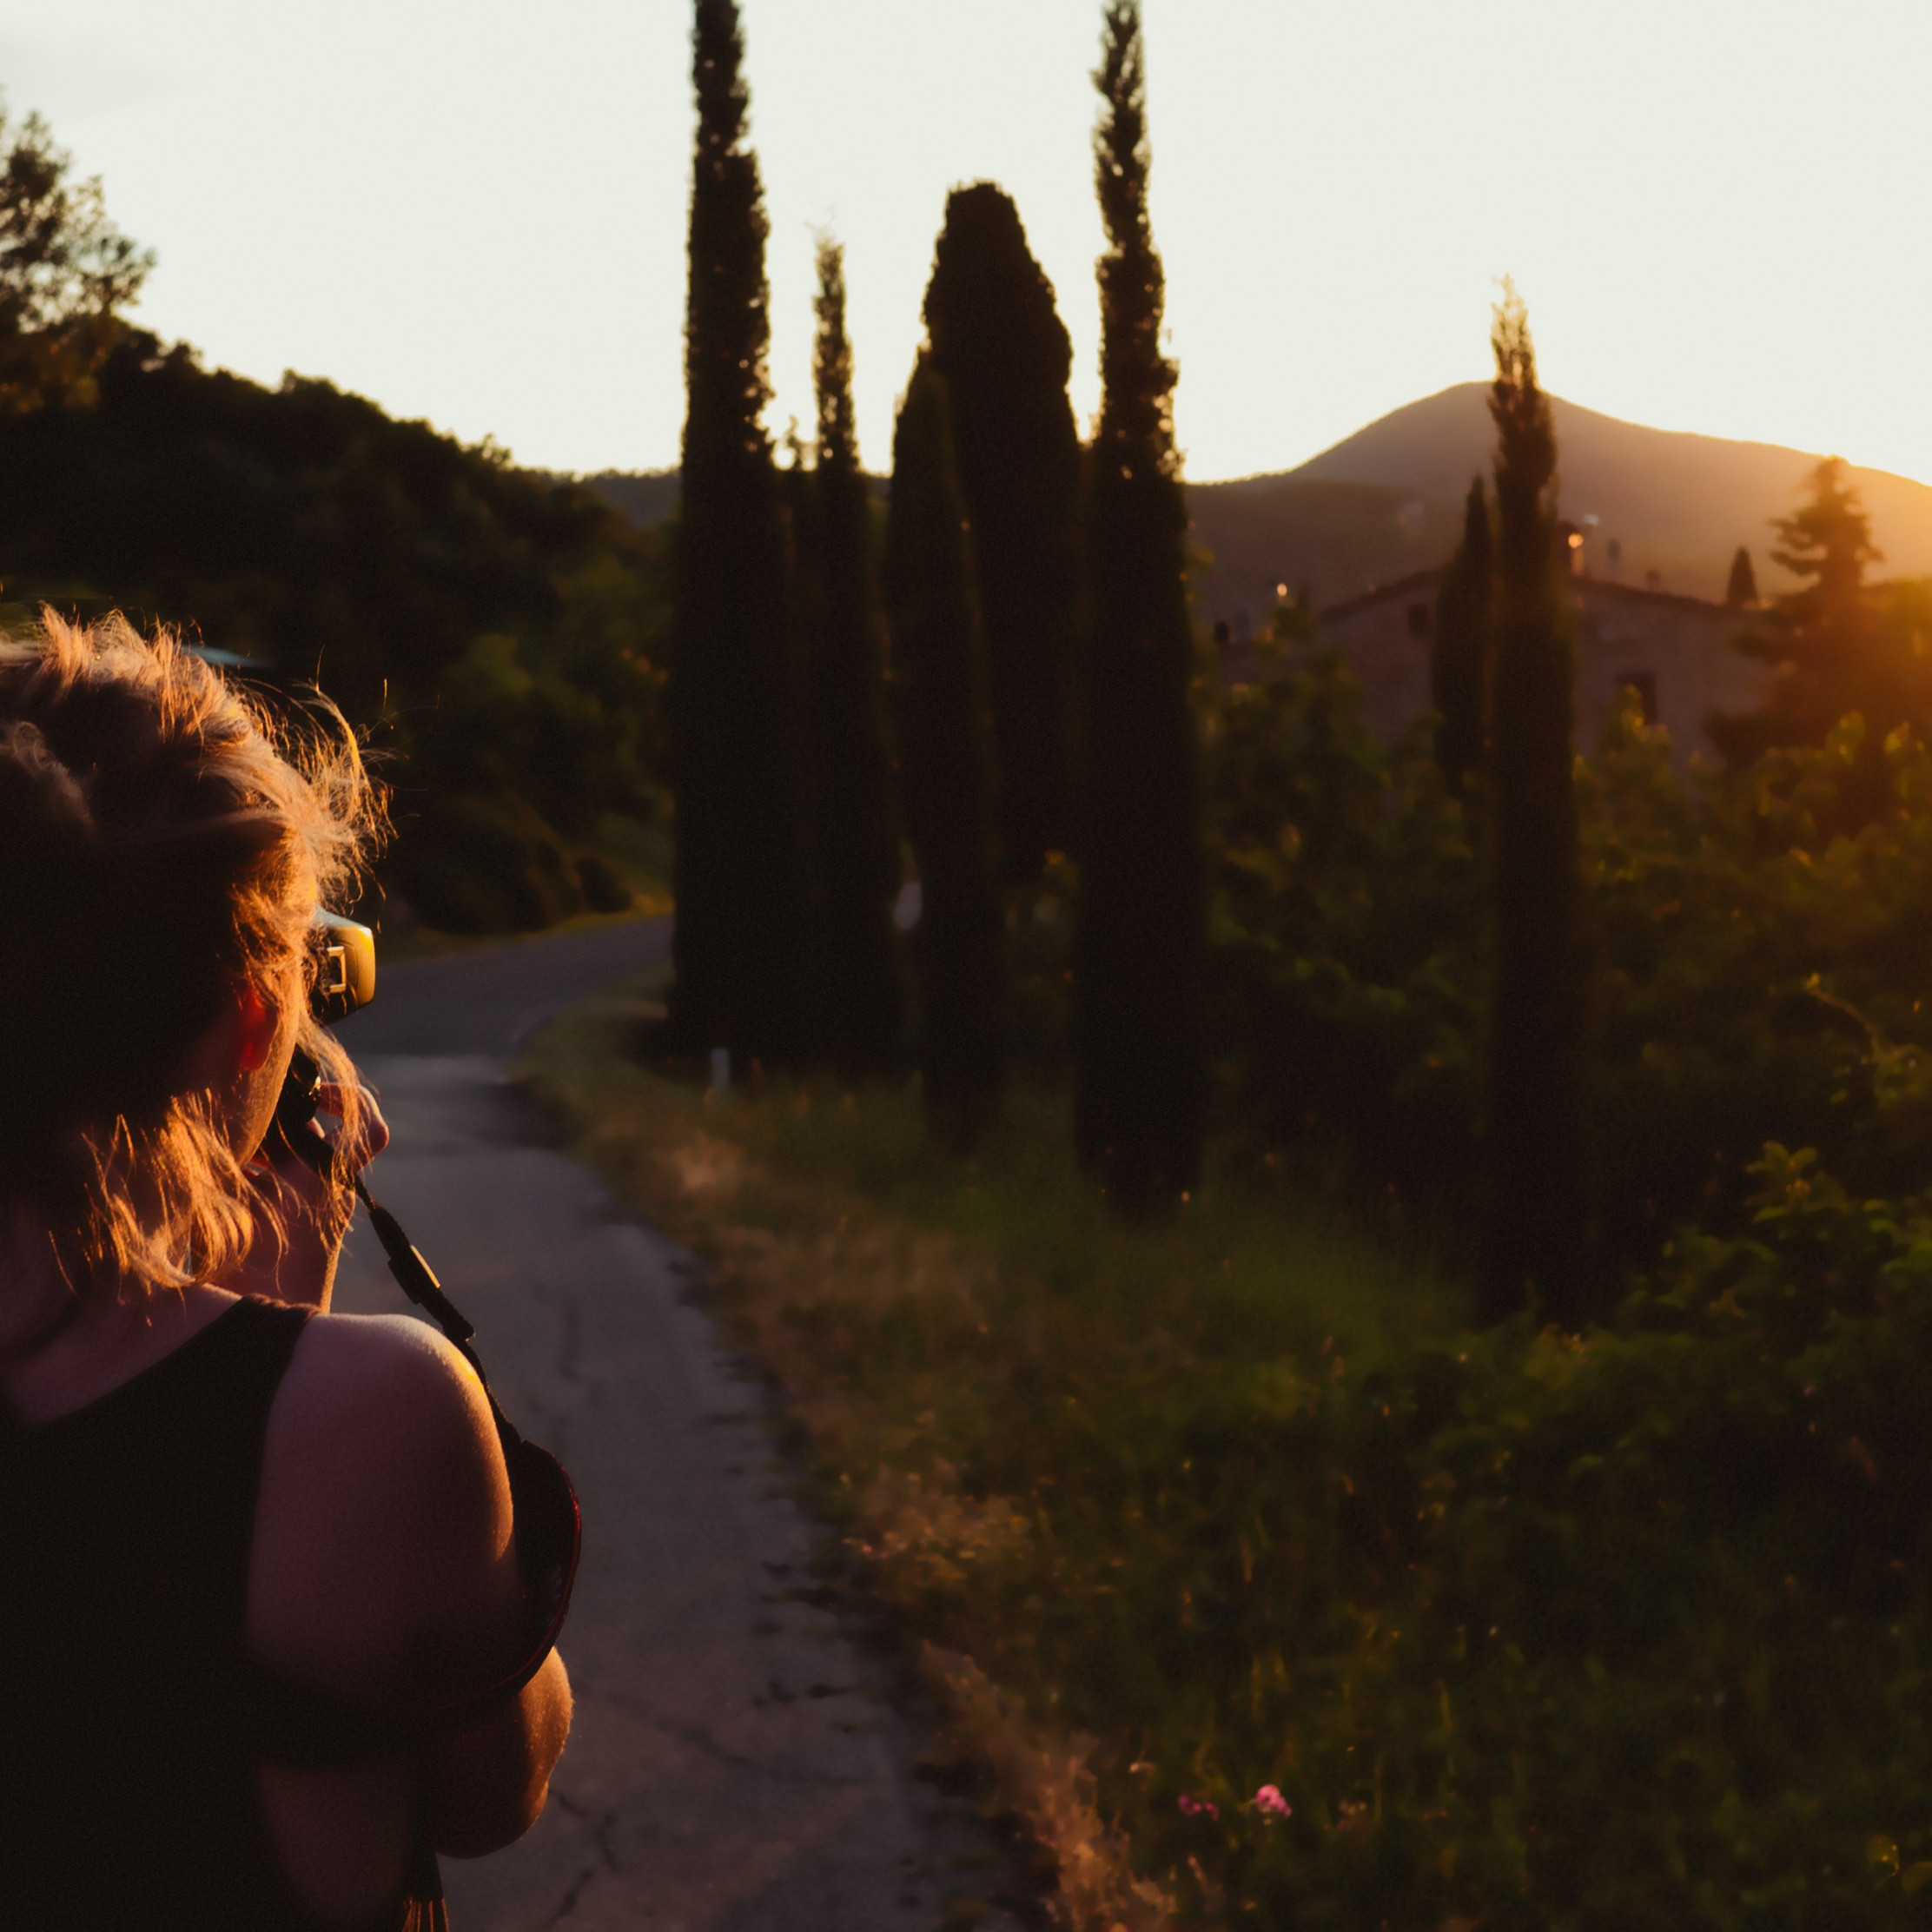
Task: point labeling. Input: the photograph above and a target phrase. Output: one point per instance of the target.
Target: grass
(1042, 1437)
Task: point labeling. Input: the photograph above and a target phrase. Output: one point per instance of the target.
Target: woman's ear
(259, 1024)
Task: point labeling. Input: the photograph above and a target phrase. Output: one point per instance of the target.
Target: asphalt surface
(743, 1759)
(486, 1000)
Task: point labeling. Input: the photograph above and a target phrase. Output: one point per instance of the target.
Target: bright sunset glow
(474, 210)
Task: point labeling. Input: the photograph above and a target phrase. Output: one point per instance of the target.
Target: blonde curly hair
(163, 840)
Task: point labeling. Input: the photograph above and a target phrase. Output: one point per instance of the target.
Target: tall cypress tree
(998, 342)
(940, 674)
(1459, 658)
(1141, 934)
(1539, 991)
(1741, 589)
(738, 869)
(858, 845)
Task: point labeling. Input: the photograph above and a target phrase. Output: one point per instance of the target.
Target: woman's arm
(384, 1569)
(486, 1784)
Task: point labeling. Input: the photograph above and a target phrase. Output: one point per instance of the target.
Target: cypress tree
(1742, 589)
(1459, 660)
(997, 340)
(1539, 991)
(940, 675)
(1141, 934)
(738, 867)
(858, 845)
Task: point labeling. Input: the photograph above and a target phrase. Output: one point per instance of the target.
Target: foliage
(1839, 643)
(1539, 1003)
(1745, 948)
(1460, 648)
(742, 907)
(66, 272)
(1139, 943)
(498, 635)
(939, 670)
(1541, 1631)
(855, 841)
(996, 339)
(1345, 970)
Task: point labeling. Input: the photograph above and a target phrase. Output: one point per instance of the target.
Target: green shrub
(1630, 1631)
(1744, 945)
(605, 889)
(1347, 962)
(486, 864)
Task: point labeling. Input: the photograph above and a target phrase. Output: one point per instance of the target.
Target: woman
(219, 1503)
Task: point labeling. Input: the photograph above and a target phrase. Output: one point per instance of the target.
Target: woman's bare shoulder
(384, 1513)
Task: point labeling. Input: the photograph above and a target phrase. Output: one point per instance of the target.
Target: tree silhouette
(739, 873)
(998, 342)
(1741, 589)
(1829, 636)
(857, 846)
(65, 273)
(1539, 993)
(1139, 937)
(1459, 661)
(940, 676)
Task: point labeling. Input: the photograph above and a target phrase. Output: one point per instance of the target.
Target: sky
(474, 210)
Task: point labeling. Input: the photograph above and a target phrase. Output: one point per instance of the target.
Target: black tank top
(128, 1745)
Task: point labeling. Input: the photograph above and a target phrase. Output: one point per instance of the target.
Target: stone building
(1674, 650)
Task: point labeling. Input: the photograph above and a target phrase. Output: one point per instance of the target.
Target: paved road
(739, 1763)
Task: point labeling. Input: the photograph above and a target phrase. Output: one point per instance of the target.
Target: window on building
(1644, 682)
(1418, 620)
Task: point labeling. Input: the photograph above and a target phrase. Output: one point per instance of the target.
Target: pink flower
(1269, 1801)
(1199, 1807)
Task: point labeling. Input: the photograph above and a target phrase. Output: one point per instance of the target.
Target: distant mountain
(1304, 536)
(1386, 501)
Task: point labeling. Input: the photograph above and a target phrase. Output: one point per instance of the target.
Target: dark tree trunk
(1539, 1009)
(941, 687)
(1460, 653)
(738, 871)
(857, 842)
(1139, 944)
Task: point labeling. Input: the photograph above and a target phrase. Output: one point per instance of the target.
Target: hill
(644, 497)
(1388, 500)
(1317, 537)
(496, 633)
(1385, 501)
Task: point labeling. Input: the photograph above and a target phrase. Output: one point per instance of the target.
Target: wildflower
(1199, 1807)
(1269, 1802)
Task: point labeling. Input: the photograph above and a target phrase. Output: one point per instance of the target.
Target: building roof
(1634, 593)
(1642, 593)
(1381, 593)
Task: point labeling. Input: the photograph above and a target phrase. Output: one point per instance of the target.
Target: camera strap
(548, 1522)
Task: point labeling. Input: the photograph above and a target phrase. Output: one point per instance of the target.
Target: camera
(342, 955)
(341, 980)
